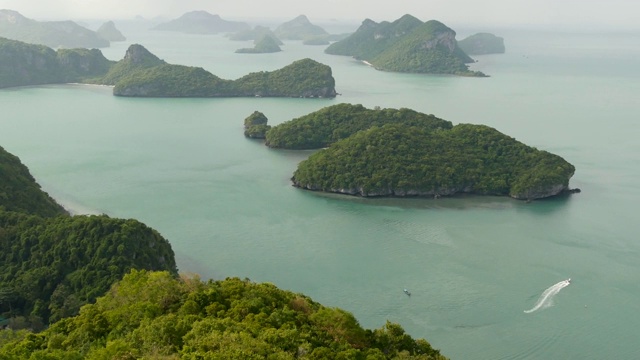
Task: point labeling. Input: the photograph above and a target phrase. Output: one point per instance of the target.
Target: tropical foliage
(52, 266)
(401, 160)
(406, 45)
(255, 125)
(153, 315)
(20, 192)
(323, 127)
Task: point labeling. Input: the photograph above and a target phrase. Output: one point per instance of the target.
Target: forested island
(389, 152)
(255, 34)
(95, 287)
(255, 125)
(406, 45)
(54, 34)
(482, 44)
(142, 74)
(202, 22)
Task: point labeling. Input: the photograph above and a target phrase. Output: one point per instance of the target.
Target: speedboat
(569, 280)
(407, 292)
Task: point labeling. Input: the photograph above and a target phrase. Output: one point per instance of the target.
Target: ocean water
(474, 265)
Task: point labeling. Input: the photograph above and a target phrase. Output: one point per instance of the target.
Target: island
(29, 64)
(54, 34)
(255, 125)
(482, 44)
(142, 74)
(402, 153)
(322, 128)
(96, 287)
(266, 44)
(255, 34)
(406, 45)
(202, 22)
(299, 28)
(109, 32)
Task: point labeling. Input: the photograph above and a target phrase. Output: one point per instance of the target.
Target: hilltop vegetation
(153, 315)
(406, 45)
(403, 160)
(54, 34)
(255, 125)
(324, 127)
(201, 22)
(52, 266)
(482, 44)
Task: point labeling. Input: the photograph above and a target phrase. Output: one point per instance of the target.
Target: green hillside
(152, 315)
(401, 160)
(324, 127)
(406, 45)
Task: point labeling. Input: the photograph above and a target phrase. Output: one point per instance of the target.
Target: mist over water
(472, 264)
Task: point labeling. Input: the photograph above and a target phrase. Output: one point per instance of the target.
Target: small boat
(569, 280)
(407, 292)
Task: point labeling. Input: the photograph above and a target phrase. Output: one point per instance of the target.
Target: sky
(570, 14)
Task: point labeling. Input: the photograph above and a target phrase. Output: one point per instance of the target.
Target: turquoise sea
(472, 264)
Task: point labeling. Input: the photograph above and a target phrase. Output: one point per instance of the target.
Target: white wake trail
(546, 299)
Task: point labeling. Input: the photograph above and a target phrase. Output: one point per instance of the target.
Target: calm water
(473, 264)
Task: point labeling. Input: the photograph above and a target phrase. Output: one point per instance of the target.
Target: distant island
(108, 31)
(28, 64)
(400, 152)
(482, 44)
(202, 22)
(299, 28)
(142, 74)
(266, 44)
(255, 34)
(406, 45)
(54, 34)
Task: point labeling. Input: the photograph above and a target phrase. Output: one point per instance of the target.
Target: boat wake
(546, 299)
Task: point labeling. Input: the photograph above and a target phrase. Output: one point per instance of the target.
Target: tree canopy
(155, 315)
(323, 127)
(402, 160)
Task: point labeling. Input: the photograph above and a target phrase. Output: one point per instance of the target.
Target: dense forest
(403, 160)
(323, 127)
(53, 263)
(406, 45)
(255, 125)
(153, 315)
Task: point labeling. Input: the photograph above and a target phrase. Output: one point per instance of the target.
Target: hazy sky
(578, 14)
